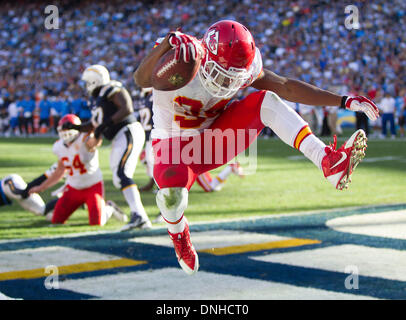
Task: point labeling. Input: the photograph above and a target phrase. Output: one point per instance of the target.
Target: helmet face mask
(230, 51)
(219, 82)
(69, 135)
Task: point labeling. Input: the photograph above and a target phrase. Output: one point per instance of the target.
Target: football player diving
(230, 61)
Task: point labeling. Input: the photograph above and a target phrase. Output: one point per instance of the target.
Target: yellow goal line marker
(70, 269)
(260, 246)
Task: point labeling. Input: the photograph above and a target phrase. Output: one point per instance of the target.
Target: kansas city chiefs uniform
(82, 166)
(191, 109)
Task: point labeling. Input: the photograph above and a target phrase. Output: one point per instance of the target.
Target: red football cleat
(185, 252)
(338, 165)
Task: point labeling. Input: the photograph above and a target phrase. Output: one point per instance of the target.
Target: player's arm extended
(84, 127)
(296, 90)
(305, 93)
(52, 180)
(124, 103)
(142, 76)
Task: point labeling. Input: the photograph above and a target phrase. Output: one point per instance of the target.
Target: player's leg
(174, 181)
(95, 205)
(126, 148)
(148, 160)
(71, 200)
(337, 165)
(205, 180)
(210, 184)
(100, 211)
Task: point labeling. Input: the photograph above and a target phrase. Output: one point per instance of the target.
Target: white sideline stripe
(46, 256)
(390, 224)
(214, 239)
(160, 284)
(373, 262)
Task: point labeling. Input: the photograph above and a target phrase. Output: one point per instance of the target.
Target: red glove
(189, 45)
(361, 103)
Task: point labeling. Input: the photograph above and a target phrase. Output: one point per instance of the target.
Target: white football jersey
(191, 109)
(82, 166)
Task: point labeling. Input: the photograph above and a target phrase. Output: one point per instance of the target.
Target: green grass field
(284, 182)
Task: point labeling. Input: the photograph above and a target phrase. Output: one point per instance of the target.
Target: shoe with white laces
(136, 221)
(185, 252)
(338, 165)
(118, 214)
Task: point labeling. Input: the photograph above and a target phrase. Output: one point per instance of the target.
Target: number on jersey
(193, 116)
(76, 164)
(145, 118)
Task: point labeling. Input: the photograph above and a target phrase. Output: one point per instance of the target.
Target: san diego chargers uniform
(127, 137)
(84, 181)
(147, 122)
(11, 188)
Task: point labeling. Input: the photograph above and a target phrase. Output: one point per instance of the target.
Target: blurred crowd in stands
(305, 39)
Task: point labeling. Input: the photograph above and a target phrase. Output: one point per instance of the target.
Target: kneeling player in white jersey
(78, 156)
(112, 117)
(203, 110)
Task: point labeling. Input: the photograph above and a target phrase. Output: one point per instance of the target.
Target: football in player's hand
(170, 74)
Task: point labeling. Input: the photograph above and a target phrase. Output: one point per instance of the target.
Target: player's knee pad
(282, 119)
(172, 202)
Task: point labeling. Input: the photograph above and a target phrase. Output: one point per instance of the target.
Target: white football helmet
(33, 203)
(11, 185)
(95, 76)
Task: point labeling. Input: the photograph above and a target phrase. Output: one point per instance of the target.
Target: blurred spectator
(55, 113)
(27, 105)
(361, 119)
(3, 116)
(332, 118)
(308, 113)
(325, 128)
(388, 109)
(303, 39)
(79, 106)
(44, 114)
(402, 112)
(13, 113)
(63, 105)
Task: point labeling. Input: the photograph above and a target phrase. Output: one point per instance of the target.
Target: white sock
(173, 202)
(133, 198)
(106, 213)
(313, 149)
(291, 128)
(175, 228)
(221, 177)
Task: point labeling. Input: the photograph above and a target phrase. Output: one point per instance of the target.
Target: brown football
(170, 74)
